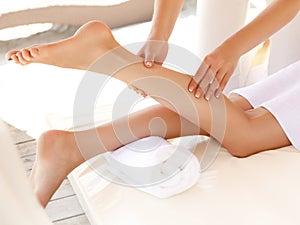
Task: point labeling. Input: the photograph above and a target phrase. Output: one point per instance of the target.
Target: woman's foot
(57, 156)
(79, 51)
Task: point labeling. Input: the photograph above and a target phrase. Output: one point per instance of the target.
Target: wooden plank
(64, 208)
(28, 162)
(78, 220)
(27, 148)
(18, 136)
(65, 190)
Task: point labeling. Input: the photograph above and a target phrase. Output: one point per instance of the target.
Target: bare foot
(57, 156)
(79, 51)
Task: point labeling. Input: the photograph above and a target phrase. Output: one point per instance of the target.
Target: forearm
(269, 21)
(164, 18)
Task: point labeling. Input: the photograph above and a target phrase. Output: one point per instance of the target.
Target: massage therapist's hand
(154, 51)
(214, 73)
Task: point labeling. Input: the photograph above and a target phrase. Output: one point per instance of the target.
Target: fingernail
(191, 89)
(148, 64)
(218, 94)
(197, 95)
(207, 97)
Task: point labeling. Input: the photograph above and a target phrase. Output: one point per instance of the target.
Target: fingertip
(192, 86)
(198, 93)
(207, 97)
(148, 64)
(218, 93)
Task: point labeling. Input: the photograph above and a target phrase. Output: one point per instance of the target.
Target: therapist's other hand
(214, 73)
(154, 51)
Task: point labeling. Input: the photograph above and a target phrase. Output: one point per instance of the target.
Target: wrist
(158, 36)
(233, 47)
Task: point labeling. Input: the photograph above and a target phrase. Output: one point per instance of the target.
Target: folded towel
(153, 165)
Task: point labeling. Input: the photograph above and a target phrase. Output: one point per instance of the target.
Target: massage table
(258, 190)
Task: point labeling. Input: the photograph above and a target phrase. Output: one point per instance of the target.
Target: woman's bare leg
(241, 133)
(59, 153)
(98, 41)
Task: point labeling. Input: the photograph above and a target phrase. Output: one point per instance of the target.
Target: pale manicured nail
(190, 89)
(148, 64)
(197, 95)
(218, 94)
(207, 97)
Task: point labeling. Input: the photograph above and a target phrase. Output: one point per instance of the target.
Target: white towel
(153, 165)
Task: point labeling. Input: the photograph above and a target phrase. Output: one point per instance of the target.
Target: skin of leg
(240, 133)
(57, 146)
(59, 151)
(156, 120)
(61, 146)
(198, 111)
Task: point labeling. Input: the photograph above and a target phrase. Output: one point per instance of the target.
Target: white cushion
(262, 189)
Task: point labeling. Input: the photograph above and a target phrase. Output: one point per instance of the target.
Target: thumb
(149, 60)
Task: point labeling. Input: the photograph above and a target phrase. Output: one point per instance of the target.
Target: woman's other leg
(219, 117)
(231, 126)
(59, 152)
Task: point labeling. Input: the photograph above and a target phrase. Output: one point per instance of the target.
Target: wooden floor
(64, 208)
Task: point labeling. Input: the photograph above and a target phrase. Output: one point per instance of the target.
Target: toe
(9, 55)
(21, 59)
(26, 55)
(34, 52)
(15, 59)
